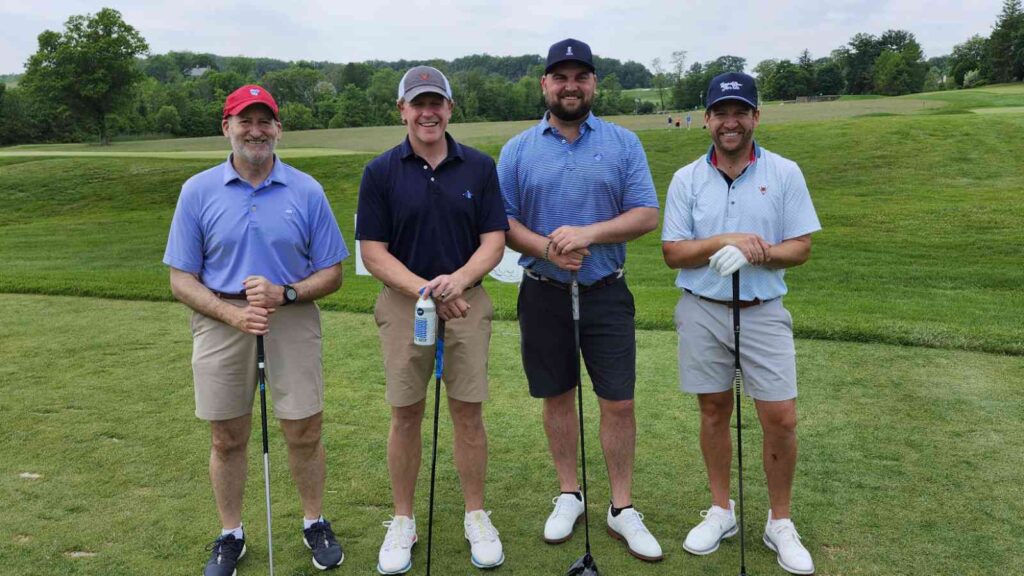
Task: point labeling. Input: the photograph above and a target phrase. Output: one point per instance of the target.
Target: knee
(715, 415)
(617, 409)
(783, 424)
(303, 437)
(467, 418)
(407, 419)
(226, 445)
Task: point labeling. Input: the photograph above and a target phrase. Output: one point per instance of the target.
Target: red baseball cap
(247, 96)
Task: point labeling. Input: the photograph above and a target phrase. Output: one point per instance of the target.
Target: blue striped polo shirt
(770, 198)
(547, 182)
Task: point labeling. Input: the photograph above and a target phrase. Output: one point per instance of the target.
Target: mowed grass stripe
(98, 402)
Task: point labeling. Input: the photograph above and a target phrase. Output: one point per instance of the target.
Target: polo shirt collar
(277, 173)
(454, 149)
(712, 160)
(590, 123)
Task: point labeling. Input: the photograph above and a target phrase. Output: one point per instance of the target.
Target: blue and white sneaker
(395, 555)
(226, 551)
(320, 539)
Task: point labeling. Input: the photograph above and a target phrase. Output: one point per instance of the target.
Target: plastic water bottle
(424, 322)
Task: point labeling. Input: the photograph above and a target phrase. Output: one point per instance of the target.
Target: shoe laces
(479, 527)
(719, 516)
(633, 521)
(562, 503)
(398, 535)
(226, 545)
(320, 534)
(785, 530)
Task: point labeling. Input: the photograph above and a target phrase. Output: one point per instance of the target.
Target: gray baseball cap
(421, 80)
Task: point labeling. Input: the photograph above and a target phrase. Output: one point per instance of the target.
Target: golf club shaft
(737, 384)
(438, 371)
(261, 369)
(579, 394)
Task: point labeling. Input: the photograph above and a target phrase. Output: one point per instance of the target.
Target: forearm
(187, 288)
(319, 284)
(525, 241)
(388, 269)
(484, 259)
(691, 253)
(627, 226)
(789, 253)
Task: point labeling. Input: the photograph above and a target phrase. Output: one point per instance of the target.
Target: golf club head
(584, 566)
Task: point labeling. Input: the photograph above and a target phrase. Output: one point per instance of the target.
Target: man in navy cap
(739, 206)
(576, 189)
(252, 245)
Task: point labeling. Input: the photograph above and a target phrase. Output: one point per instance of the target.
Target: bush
(973, 78)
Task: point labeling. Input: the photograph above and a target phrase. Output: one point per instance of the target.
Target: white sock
(307, 523)
(238, 532)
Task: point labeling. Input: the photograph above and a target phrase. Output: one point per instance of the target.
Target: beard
(254, 157)
(565, 115)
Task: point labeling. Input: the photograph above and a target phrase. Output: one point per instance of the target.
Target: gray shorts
(767, 354)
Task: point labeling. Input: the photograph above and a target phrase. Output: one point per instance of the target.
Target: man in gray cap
(739, 206)
(431, 225)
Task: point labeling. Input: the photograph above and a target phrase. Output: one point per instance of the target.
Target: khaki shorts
(224, 364)
(706, 340)
(408, 367)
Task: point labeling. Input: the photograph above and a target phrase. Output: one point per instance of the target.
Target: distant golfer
(430, 219)
(689, 119)
(739, 206)
(253, 243)
(576, 189)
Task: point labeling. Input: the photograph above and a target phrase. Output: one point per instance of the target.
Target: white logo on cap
(254, 91)
(734, 85)
(568, 50)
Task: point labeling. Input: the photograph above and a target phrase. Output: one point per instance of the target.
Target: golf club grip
(262, 378)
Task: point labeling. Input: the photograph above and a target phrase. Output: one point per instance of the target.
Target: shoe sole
(317, 564)
(472, 560)
(403, 569)
(767, 542)
(567, 538)
(622, 539)
(728, 534)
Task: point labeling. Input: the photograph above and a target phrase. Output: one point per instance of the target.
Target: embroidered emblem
(763, 188)
(467, 195)
(734, 85)
(254, 91)
(568, 50)
(424, 76)
(597, 157)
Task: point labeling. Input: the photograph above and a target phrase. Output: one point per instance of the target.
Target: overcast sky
(347, 31)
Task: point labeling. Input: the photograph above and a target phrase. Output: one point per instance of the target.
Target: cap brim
(239, 107)
(414, 92)
(577, 60)
(724, 98)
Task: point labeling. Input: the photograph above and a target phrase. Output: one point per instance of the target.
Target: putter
(585, 565)
(261, 369)
(438, 370)
(737, 382)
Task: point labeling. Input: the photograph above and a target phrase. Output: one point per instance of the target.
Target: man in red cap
(252, 245)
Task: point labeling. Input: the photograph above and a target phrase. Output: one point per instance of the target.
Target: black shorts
(607, 338)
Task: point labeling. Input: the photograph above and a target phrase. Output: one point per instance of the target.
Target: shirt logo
(568, 50)
(290, 211)
(597, 157)
(467, 195)
(763, 188)
(726, 86)
(254, 91)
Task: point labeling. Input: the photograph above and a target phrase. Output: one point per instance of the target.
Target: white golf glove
(728, 260)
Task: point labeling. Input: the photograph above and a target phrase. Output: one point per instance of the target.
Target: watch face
(290, 294)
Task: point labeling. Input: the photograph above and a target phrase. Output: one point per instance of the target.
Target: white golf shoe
(782, 538)
(629, 526)
(484, 545)
(717, 525)
(395, 555)
(567, 512)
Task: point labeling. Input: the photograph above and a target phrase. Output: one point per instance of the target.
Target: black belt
(743, 303)
(584, 288)
(230, 295)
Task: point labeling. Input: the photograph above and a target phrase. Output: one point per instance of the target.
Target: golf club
(584, 566)
(261, 369)
(737, 382)
(438, 370)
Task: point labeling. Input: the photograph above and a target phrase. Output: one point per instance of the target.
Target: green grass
(921, 219)
(909, 457)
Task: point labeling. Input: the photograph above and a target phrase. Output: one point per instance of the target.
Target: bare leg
(716, 443)
(228, 466)
(778, 420)
(470, 450)
(404, 452)
(306, 459)
(563, 429)
(618, 439)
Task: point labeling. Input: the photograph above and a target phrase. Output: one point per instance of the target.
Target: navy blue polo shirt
(431, 219)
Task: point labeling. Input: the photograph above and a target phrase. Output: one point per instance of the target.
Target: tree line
(96, 78)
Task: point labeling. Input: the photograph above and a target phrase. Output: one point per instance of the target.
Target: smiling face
(426, 118)
(569, 90)
(731, 124)
(253, 133)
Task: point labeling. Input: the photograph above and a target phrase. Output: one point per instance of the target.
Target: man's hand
(572, 261)
(453, 308)
(567, 239)
(263, 293)
(252, 320)
(728, 260)
(446, 287)
(754, 248)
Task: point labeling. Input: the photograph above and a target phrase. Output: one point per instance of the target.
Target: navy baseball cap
(732, 86)
(569, 50)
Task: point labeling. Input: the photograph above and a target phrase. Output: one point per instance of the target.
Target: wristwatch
(290, 295)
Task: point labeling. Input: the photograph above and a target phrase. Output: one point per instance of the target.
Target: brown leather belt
(743, 303)
(606, 281)
(230, 296)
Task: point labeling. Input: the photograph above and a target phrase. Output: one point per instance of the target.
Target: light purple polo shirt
(225, 230)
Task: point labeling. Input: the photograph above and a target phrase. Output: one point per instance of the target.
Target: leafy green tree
(660, 80)
(294, 84)
(970, 55)
(829, 77)
(1005, 60)
(90, 67)
(295, 116)
(859, 62)
(167, 120)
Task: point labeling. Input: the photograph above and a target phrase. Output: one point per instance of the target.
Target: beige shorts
(408, 367)
(224, 364)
